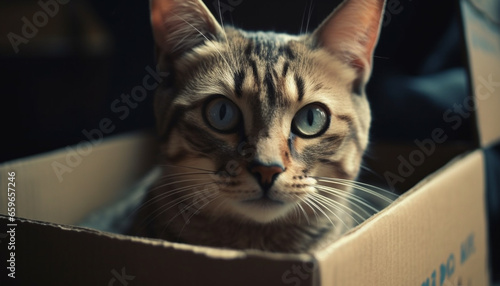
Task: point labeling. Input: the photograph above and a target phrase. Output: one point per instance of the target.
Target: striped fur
(269, 77)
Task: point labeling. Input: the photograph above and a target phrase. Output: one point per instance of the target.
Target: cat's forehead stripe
(269, 46)
(271, 86)
(255, 71)
(285, 69)
(239, 77)
(264, 54)
(299, 81)
(249, 49)
(287, 50)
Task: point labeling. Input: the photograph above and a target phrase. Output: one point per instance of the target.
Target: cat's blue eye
(311, 121)
(222, 114)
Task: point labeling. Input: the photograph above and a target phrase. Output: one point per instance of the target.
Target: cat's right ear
(180, 25)
(351, 32)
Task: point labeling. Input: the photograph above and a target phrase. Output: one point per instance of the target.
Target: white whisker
(186, 167)
(361, 187)
(303, 211)
(170, 176)
(181, 181)
(348, 196)
(321, 210)
(309, 16)
(165, 195)
(337, 206)
(194, 213)
(314, 211)
(186, 197)
(159, 211)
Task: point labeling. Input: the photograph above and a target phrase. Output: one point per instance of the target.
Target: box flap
(435, 232)
(64, 255)
(65, 185)
(481, 19)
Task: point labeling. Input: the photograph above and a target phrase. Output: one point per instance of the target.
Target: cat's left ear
(351, 32)
(180, 25)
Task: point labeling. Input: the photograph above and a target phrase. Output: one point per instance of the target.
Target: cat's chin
(262, 210)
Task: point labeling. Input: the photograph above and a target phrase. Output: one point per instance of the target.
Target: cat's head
(257, 118)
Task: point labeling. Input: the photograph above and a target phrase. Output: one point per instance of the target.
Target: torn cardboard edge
(51, 254)
(211, 252)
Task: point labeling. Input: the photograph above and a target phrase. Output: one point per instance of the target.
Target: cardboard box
(437, 228)
(434, 234)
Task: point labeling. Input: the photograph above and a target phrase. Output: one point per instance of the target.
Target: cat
(262, 133)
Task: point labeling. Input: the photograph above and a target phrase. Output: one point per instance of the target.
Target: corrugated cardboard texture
(80, 188)
(435, 232)
(483, 44)
(53, 255)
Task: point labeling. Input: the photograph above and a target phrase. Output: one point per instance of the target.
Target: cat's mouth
(264, 202)
(262, 209)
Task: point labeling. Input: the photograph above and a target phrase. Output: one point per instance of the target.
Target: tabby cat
(262, 133)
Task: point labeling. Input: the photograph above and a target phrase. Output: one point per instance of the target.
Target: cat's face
(254, 120)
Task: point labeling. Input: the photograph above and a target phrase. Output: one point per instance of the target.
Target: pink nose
(267, 174)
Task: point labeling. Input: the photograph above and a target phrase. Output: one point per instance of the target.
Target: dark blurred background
(65, 77)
